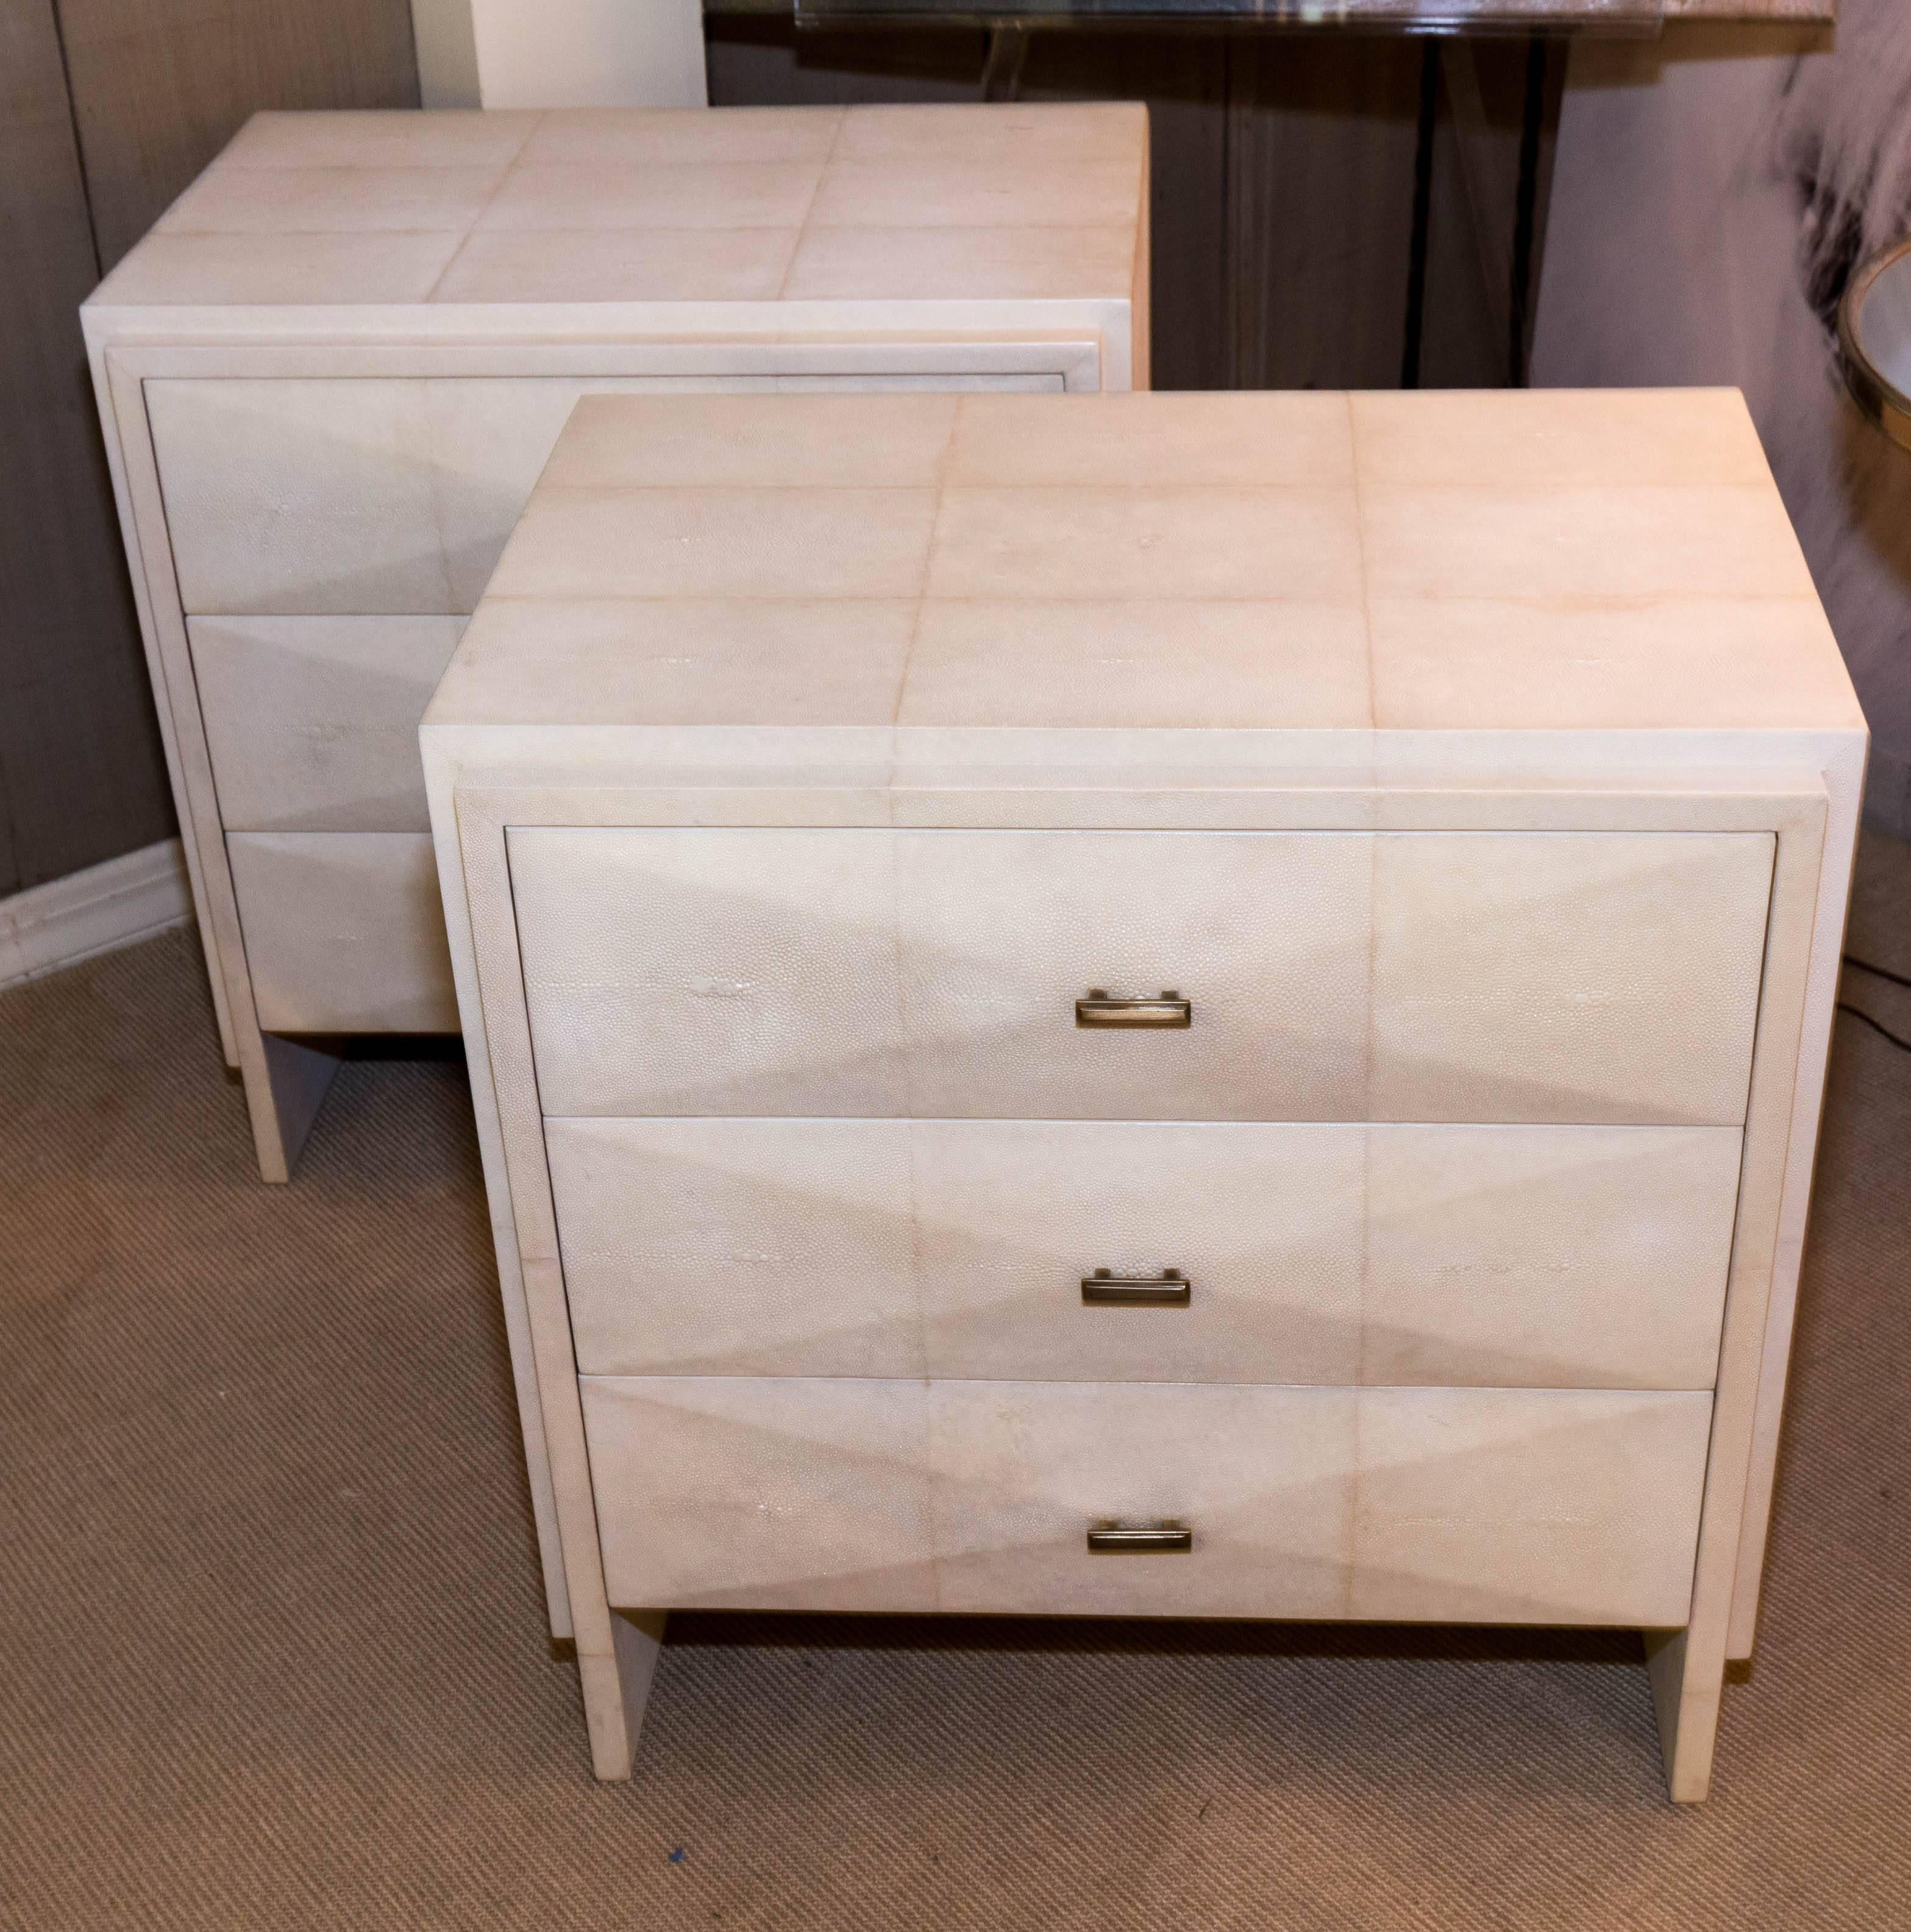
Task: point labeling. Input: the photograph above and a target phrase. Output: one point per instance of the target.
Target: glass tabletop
(1402, 16)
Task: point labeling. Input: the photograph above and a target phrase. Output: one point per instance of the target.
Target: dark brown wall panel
(757, 60)
(1183, 78)
(81, 777)
(1320, 141)
(1499, 111)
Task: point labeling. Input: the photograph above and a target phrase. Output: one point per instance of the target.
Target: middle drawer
(1335, 1254)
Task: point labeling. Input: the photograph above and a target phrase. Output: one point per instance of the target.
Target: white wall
(560, 53)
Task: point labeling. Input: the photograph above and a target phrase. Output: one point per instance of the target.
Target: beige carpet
(271, 1652)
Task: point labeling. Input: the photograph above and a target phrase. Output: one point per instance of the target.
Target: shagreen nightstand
(1172, 1006)
(330, 376)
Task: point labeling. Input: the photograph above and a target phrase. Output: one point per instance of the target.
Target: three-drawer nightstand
(1170, 1005)
(328, 379)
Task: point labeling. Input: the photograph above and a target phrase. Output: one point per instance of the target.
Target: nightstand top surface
(907, 205)
(1536, 563)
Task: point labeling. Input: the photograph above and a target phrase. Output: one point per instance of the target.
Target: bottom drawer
(343, 931)
(1418, 1505)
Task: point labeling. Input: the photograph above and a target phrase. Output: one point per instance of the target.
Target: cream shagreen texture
(331, 375)
(1482, 769)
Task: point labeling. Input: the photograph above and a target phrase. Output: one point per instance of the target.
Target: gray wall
(1713, 192)
(108, 108)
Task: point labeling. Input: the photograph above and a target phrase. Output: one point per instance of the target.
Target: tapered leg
(617, 1687)
(284, 1089)
(1688, 1682)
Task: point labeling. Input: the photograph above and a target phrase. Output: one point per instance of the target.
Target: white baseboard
(98, 910)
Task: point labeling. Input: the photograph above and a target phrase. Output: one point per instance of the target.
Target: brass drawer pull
(1163, 1009)
(1171, 1289)
(1154, 1539)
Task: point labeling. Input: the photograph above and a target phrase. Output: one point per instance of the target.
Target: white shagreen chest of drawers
(1162, 1005)
(330, 375)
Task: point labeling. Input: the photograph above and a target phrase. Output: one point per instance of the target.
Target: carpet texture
(272, 1651)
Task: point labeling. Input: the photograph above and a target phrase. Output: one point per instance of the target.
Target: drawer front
(369, 497)
(1580, 978)
(791, 1494)
(871, 973)
(1475, 1505)
(344, 932)
(313, 722)
(1544, 1257)
(1547, 1257)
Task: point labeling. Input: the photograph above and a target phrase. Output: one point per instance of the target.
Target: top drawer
(382, 497)
(1578, 977)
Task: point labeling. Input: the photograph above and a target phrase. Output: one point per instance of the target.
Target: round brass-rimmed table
(1874, 334)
